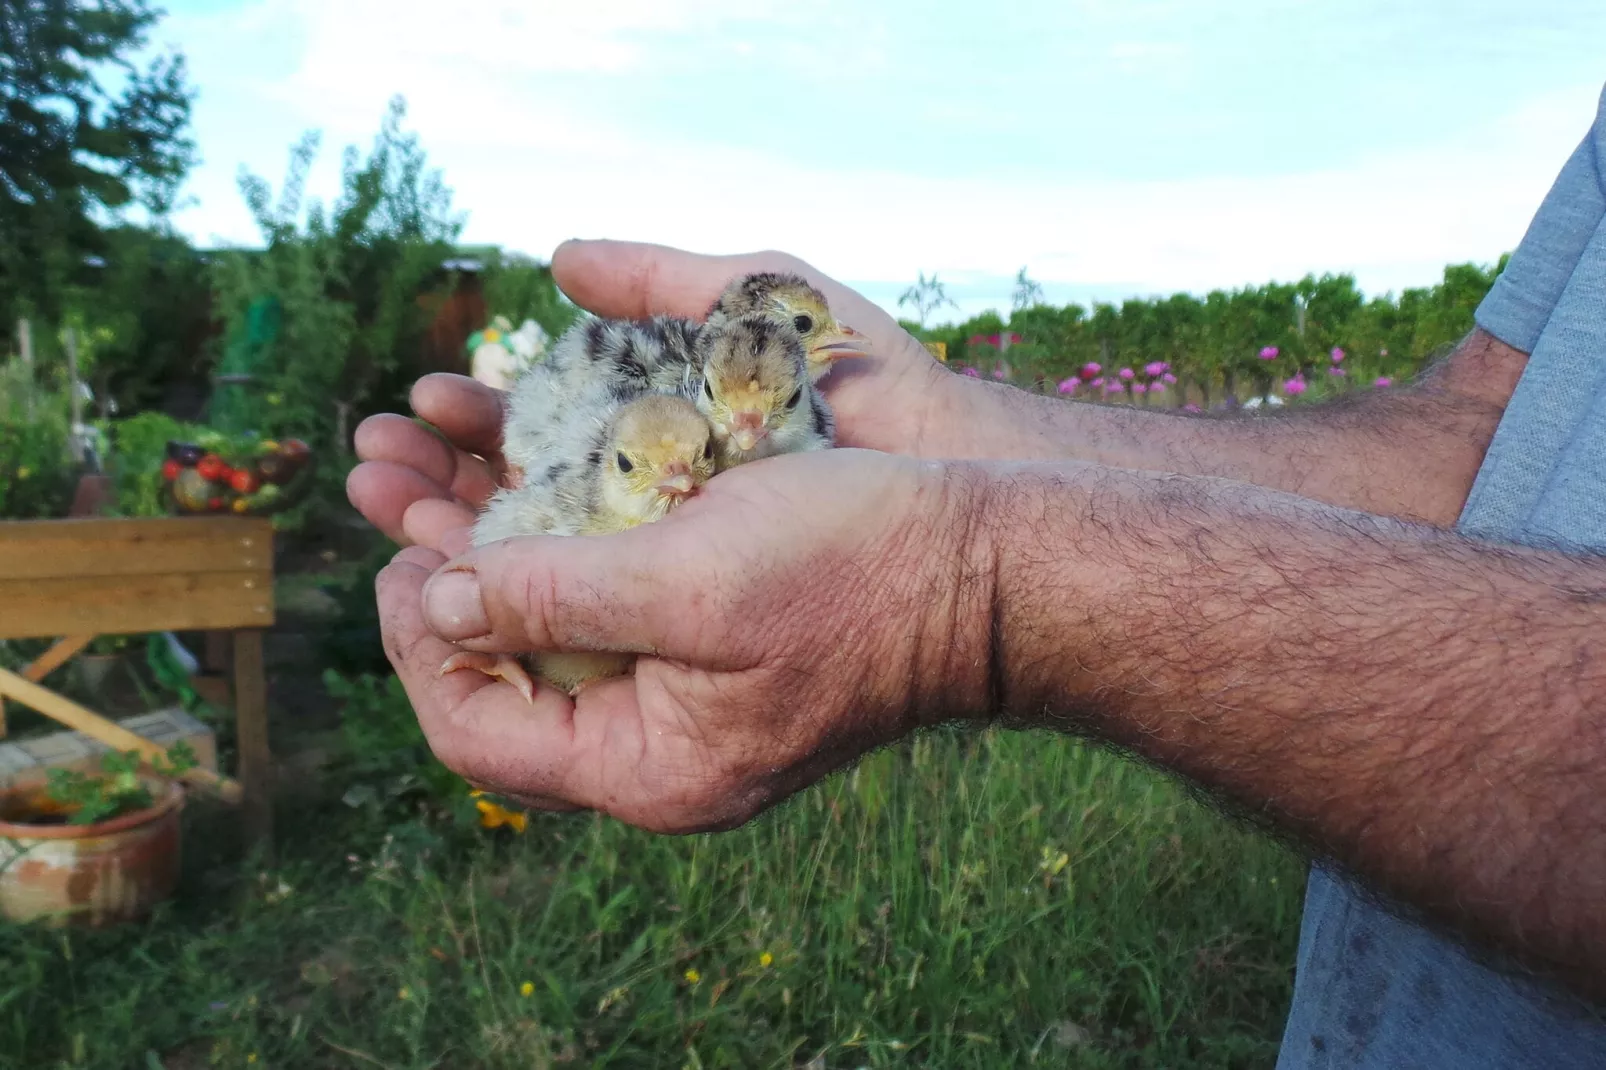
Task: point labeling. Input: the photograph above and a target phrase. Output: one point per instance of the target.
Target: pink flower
(1336, 371)
(1156, 388)
(1125, 374)
(973, 373)
(1169, 378)
(1089, 370)
(1068, 386)
(1383, 352)
(1383, 381)
(1191, 407)
(1097, 382)
(1155, 369)
(1269, 353)
(1337, 354)
(1294, 387)
(1114, 386)
(1139, 388)
(1000, 372)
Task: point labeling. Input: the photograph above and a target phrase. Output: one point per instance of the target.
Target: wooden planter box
(79, 578)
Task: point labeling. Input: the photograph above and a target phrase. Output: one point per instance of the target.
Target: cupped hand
(796, 613)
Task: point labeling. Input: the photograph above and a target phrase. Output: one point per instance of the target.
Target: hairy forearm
(1409, 452)
(1423, 710)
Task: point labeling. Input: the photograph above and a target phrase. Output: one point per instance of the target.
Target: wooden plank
(50, 549)
(57, 656)
(133, 604)
(251, 736)
(108, 732)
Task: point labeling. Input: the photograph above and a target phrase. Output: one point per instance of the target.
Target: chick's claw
(499, 666)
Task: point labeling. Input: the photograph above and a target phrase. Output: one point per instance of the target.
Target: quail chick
(790, 298)
(756, 391)
(607, 464)
(624, 356)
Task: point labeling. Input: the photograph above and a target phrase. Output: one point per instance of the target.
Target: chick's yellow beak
(838, 342)
(675, 481)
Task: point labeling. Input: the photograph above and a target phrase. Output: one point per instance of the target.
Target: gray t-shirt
(1374, 990)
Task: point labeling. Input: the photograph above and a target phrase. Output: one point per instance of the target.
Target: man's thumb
(551, 593)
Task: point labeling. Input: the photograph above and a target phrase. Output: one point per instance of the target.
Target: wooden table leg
(251, 736)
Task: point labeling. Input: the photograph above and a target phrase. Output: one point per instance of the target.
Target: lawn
(964, 900)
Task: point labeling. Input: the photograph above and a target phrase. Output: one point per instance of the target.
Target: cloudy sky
(1111, 147)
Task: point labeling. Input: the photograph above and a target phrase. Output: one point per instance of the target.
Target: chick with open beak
(757, 393)
(790, 299)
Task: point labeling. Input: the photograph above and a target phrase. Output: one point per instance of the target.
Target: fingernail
(453, 608)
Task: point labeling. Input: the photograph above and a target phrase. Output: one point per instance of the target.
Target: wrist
(963, 671)
(1070, 586)
(982, 420)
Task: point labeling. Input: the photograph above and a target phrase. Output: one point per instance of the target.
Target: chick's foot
(500, 666)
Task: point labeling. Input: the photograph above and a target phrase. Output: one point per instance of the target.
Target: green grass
(967, 900)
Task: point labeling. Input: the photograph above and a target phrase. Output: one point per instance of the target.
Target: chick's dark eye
(804, 324)
(708, 450)
(708, 390)
(623, 462)
(797, 396)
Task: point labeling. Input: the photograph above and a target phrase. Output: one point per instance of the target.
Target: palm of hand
(795, 567)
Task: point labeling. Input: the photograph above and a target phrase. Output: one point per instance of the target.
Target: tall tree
(1028, 292)
(84, 131)
(927, 295)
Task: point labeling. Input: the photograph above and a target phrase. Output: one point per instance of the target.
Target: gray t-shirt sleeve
(1518, 307)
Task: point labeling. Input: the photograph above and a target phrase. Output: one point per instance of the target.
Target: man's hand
(795, 614)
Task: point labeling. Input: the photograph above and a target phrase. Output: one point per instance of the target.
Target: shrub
(37, 473)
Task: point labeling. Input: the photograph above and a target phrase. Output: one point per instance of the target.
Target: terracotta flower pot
(100, 874)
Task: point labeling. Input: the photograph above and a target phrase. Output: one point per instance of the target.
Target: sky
(1112, 148)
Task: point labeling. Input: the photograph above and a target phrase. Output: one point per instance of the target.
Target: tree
(1027, 292)
(325, 320)
(74, 148)
(927, 295)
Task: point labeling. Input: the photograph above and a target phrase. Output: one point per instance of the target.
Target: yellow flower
(527, 989)
(766, 960)
(251, 1058)
(491, 336)
(493, 816)
(692, 976)
(404, 993)
(24, 472)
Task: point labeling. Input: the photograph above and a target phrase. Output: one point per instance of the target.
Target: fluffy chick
(623, 462)
(660, 353)
(756, 391)
(625, 357)
(790, 299)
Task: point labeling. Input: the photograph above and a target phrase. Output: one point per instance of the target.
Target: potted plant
(93, 849)
(103, 654)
